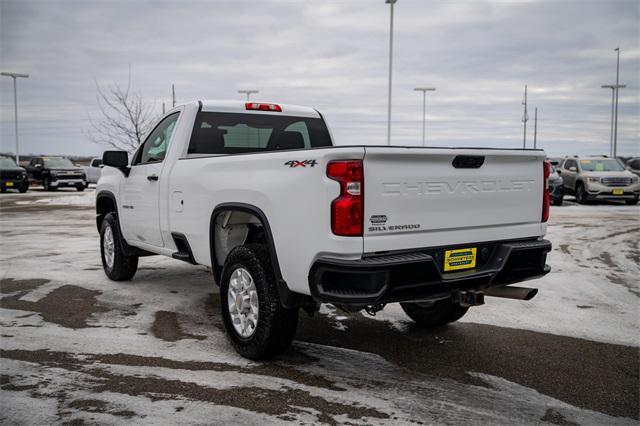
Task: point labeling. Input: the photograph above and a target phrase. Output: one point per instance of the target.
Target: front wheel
(631, 202)
(256, 322)
(117, 266)
(24, 187)
(80, 188)
(434, 314)
(581, 194)
(558, 201)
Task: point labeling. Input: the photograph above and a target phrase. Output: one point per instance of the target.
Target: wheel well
(232, 228)
(104, 204)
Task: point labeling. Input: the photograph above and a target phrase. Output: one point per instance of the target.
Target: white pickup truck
(286, 220)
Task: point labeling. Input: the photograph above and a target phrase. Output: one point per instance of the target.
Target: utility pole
(424, 91)
(15, 76)
(535, 129)
(390, 2)
(173, 95)
(615, 128)
(525, 118)
(248, 92)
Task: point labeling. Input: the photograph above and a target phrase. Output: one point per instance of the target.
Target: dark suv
(12, 176)
(56, 172)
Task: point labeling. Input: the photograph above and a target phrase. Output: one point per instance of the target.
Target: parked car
(556, 187)
(12, 176)
(555, 161)
(599, 178)
(286, 220)
(93, 170)
(633, 165)
(56, 172)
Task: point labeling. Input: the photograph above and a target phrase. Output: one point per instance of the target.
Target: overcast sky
(333, 55)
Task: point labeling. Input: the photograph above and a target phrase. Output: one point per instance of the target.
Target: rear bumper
(418, 275)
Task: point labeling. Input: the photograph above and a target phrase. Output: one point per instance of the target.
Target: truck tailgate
(416, 197)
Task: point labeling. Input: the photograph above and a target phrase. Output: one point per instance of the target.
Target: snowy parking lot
(80, 349)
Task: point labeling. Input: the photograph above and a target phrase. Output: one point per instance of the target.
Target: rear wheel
(433, 314)
(117, 266)
(256, 322)
(581, 194)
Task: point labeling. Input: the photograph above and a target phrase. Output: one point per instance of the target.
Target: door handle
(152, 177)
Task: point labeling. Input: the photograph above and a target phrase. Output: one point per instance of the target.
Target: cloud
(333, 56)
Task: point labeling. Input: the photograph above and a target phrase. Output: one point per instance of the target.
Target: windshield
(58, 163)
(606, 165)
(7, 163)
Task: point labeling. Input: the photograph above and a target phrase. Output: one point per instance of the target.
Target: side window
(569, 164)
(156, 144)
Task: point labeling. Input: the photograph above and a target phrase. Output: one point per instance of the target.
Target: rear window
(231, 133)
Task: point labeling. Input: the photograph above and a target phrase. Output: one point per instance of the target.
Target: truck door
(141, 190)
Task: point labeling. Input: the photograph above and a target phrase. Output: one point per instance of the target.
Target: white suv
(599, 178)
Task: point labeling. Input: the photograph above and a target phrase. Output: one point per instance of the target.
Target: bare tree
(125, 120)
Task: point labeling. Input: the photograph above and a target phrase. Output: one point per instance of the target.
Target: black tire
(276, 325)
(439, 313)
(46, 184)
(80, 188)
(124, 267)
(24, 187)
(631, 202)
(581, 194)
(558, 201)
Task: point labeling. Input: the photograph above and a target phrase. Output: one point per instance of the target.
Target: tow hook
(468, 298)
(373, 309)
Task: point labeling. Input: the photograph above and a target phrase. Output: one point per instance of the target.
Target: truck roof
(240, 107)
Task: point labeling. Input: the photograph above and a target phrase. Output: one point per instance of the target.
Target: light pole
(390, 2)
(613, 88)
(615, 128)
(424, 91)
(535, 129)
(15, 76)
(248, 92)
(525, 118)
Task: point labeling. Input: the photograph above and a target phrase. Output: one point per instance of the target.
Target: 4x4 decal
(303, 163)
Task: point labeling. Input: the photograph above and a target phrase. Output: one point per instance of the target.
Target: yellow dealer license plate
(459, 259)
(618, 191)
(9, 183)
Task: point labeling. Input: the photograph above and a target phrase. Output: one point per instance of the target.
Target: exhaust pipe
(520, 293)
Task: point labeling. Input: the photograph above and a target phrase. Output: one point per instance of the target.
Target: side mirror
(101, 166)
(573, 169)
(559, 171)
(117, 159)
(38, 165)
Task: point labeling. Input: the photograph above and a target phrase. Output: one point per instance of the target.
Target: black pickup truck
(56, 172)
(12, 176)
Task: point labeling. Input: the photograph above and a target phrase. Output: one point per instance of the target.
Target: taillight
(260, 106)
(546, 171)
(347, 211)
